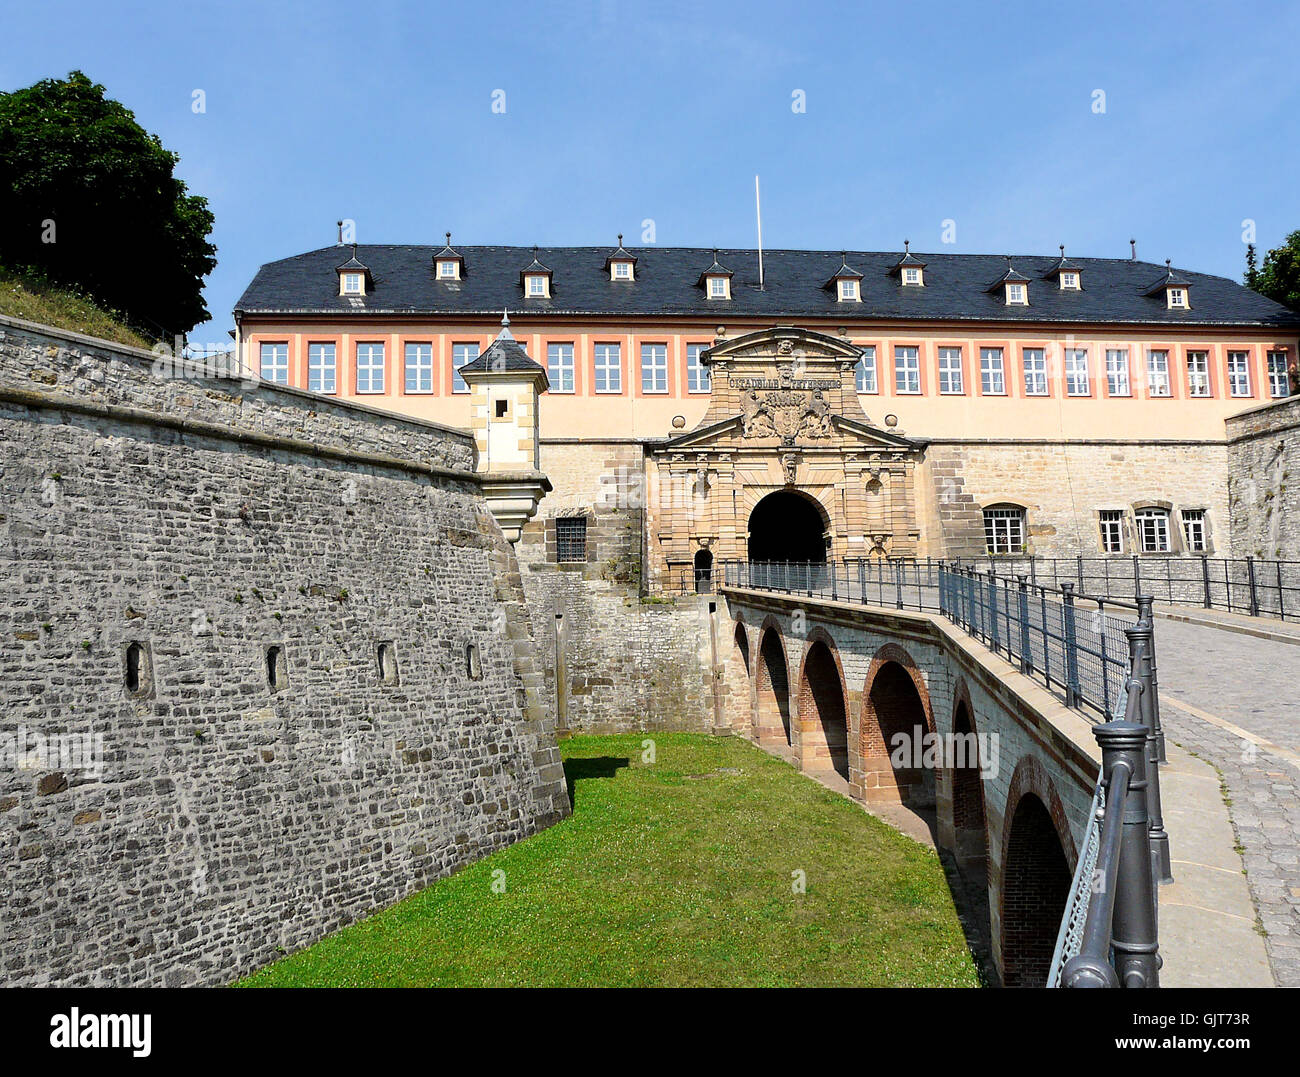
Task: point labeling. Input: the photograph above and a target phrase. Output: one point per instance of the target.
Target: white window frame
(622, 270)
(352, 284)
(322, 368)
(536, 285)
(1111, 524)
(951, 380)
(993, 372)
(699, 379)
(373, 365)
(462, 354)
(1198, 373)
(1196, 531)
(1152, 529)
(1158, 372)
(1017, 294)
(654, 369)
(1177, 298)
(1118, 379)
(911, 275)
(1069, 281)
(559, 366)
(865, 378)
(448, 269)
(1072, 372)
(1004, 529)
(607, 365)
(1035, 368)
(907, 370)
(1279, 380)
(719, 288)
(274, 362)
(1239, 374)
(848, 290)
(417, 368)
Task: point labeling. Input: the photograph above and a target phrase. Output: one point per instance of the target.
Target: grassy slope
(664, 879)
(33, 300)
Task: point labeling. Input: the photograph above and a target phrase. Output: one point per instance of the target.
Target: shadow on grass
(601, 766)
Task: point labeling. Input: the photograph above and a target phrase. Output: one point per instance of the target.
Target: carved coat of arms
(787, 413)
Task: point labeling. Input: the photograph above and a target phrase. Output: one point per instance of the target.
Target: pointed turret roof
(505, 355)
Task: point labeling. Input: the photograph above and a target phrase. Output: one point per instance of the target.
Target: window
(1279, 382)
(848, 290)
(1035, 360)
(460, 355)
(321, 368)
(622, 270)
(1016, 295)
(1069, 281)
(275, 363)
(1076, 372)
(137, 670)
(473, 663)
(697, 374)
(1177, 298)
(386, 660)
(719, 288)
(1117, 380)
(864, 374)
(352, 283)
(277, 669)
(419, 368)
(1239, 373)
(1198, 374)
(1153, 530)
(1004, 529)
(536, 286)
(993, 379)
(950, 374)
(911, 275)
(448, 271)
(571, 538)
(1112, 530)
(609, 368)
(654, 368)
(907, 370)
(370, 367)
(559, 367)
(1157, 373)
(1194, 530)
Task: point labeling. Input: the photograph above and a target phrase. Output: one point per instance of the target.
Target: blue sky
(617, 112)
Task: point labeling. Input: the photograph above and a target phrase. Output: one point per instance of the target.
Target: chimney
(340, 240)
(1133, 250)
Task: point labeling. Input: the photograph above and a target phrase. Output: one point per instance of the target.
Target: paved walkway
(1230, 698)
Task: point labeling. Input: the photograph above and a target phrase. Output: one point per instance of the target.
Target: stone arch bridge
(900, 708)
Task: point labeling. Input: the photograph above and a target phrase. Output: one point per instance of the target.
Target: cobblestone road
(1211, 681)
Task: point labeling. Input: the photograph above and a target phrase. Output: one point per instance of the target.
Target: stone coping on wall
(1273, 417)
(45, 367)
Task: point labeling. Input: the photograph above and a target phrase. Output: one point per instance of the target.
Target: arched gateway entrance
(787, 526)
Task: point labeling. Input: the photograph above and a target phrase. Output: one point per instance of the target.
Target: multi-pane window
(1239, 373)
(848, 289)
(864, 374)
(1178, 297)
(322, 376)
(993, 379)
(1076, 372)
(608, 368)
(1157, 373)
(460, 355)
(1112, 530)
(1198, 374)
(1279, 382)
(419, 368)
(559, 367)
(370, 367)
(571, 538)
(351, 283)
(950, 378)
(907, 370)
(1069, 281)
(1035, 372)
(622, 270)
(1016, 295)
(536, 286)
(697, 374)
(1194, 530)
(1152, 530)
(1117, 380)
(911, 275)
(1004, 529)
(717, 287)
(654, 368)
(275, 363)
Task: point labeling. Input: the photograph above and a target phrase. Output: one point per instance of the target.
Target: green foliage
(1279, 276)
(673, 873)
(75, 166)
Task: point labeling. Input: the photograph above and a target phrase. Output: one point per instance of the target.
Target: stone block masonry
(1264, 480)
(300, 639)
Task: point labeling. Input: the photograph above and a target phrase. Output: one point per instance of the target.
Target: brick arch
(739, 680)
(1038, 858)
(895, 699)
(823, 711)
(772, 686)
(969, 814)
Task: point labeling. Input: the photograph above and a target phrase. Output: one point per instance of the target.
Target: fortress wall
(1264, 485)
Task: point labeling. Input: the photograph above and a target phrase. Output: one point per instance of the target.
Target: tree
(1279, 276)
(91, 203)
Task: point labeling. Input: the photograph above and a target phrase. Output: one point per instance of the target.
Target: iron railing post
(1254, 593)
(898, 581)
(1139, 639)
(1147, 619)
(993, 610)
(1026, 657)
(1072, 693)
(1205, 579)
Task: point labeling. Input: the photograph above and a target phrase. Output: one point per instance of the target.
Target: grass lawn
(677, 873)
(34, 300)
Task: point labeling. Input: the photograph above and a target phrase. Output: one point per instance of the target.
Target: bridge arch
(895, 702)
(823, 706)
(789, 525)
(1038, 856)
(969, 819)
(740, 681)
(772, 691)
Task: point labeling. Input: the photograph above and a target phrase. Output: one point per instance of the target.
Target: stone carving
(790, 466)
(786, 413)
(757, 421)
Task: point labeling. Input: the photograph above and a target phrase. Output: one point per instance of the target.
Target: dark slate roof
(668, 278)
(1061, 265)
(1010, 275)
(845, 272)
(620, 255)
(505, 355)
(1168, 279)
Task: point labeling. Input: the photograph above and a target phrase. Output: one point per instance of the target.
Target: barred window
(1004, 529)
(1194, 530)
(571, 538)
(1153, 530)
(1112, 530)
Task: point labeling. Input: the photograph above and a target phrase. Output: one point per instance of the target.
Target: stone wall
(300, 640)
(1264, 483)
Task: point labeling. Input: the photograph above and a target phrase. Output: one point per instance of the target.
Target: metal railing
(1253, 586)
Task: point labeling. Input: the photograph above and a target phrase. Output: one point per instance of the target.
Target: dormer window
(621, 270)
(1177, 291)
(1013, 286)
(449, 270)
(621, 264)
(1066, 272)
(849, 291)
(845, 282)
(719, 288)
(354, 284)
(912, 275)
(1069, 281)
(353, 277)
(536, 280)
(448, 264)
(1177, 298)
(909, 269)
(1017, 295)
(716, 280)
